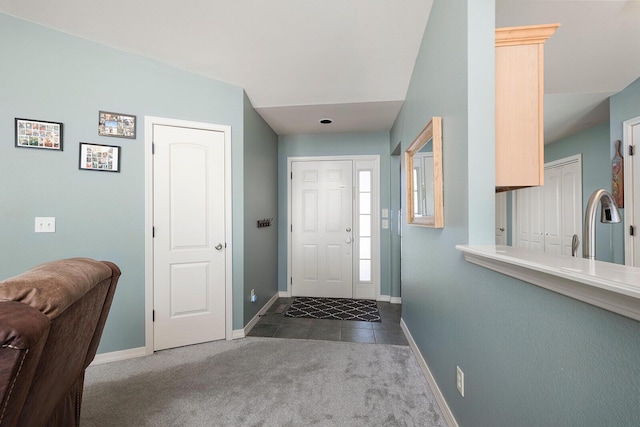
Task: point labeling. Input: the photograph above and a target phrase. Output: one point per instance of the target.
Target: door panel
(322, 212)
(501, 218)
(571, 207)
(552, 210)
(522, 235)
(189, 223)
(537, 218)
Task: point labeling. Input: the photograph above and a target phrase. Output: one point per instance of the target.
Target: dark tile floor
(275, 324)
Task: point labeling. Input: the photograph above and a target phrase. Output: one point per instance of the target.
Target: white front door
(189, 244)
(321, 228)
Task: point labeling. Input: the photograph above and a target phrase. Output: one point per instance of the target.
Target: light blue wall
(531, 357)
(333, 145)
(594, 146)
(52, 76)
(261, 194)
(623, 106)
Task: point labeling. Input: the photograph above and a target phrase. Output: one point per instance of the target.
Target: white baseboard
(395, 300)
(237, 334)
(283, 294)
(442, 403)
(255, 319)
(115, 356)
(384, 298)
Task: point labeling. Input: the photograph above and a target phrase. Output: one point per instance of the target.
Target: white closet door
(571, 206)
(553, 202)
(522, 235)
(501, 218)
(537, 218)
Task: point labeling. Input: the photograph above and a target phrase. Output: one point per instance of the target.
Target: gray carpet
(263, 382)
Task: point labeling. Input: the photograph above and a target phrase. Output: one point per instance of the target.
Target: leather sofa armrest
(23, 333)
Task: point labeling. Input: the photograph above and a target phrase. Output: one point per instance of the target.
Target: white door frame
(149, 122)
(629, 191)
(375, 220)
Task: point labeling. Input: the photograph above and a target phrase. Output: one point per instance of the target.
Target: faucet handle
(575, 242)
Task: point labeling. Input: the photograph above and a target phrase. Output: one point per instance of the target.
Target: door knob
(348, 240)
(219, 246)
(348, 230)
(501, 228)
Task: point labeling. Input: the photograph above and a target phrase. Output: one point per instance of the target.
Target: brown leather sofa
(51, 321)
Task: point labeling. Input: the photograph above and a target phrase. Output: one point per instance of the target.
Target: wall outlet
(460, 380)
(45, 224)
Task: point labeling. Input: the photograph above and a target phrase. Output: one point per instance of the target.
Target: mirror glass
(423, 161)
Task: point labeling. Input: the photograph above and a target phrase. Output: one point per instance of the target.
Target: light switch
(385, 213)
(385, 223)
(45, 224)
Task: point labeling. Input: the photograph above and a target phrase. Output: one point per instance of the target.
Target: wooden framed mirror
(423, 164)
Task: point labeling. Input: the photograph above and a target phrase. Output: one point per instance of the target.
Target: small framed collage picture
(116, 124)
(38, 134)
(97, 157)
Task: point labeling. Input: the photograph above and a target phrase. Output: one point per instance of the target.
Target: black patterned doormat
(334, 308)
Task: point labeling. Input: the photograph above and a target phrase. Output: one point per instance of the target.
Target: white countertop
(610, 286)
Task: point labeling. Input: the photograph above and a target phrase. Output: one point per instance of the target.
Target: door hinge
(632, 150)
(153, 315)
(291, 281)
(153, 232)
(292, 228)
(153, 148)
(292, 175)
(632, 230)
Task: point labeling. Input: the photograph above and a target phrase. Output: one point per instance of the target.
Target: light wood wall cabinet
(519, 106)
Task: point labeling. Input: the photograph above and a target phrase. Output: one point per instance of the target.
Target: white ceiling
(351, 61)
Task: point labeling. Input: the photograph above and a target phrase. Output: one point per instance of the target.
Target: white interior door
(501, 218)
(631, 129)
(321, 228)
(189, 243)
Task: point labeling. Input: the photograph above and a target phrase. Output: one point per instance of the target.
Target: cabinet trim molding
(512, 36)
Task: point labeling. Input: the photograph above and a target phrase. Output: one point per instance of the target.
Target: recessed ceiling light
(326, 121)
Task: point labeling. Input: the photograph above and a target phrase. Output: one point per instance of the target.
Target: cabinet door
(519, 105)
(519, 145)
